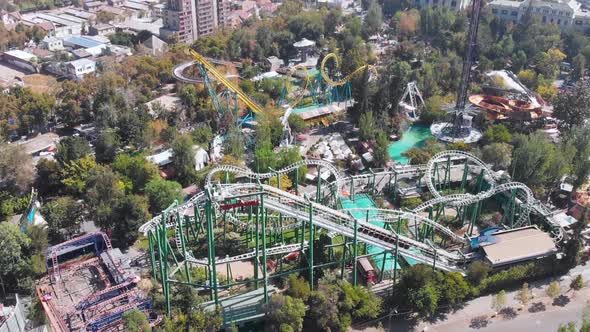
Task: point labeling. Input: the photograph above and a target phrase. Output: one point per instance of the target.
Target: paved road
(546, 320)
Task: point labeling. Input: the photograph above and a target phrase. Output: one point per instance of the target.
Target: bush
(410, 203)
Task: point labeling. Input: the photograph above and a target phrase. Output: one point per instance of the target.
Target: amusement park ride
(278, 224)
(320, 87)
(459, 127)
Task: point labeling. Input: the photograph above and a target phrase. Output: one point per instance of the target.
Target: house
(102, 29)
(78, 68)
(93, 6)
(274, 63)
(10, 18)
(155, 45)
(51, 44)
(22, 60)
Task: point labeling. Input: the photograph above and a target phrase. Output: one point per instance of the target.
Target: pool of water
(364, 201)
(415, 136)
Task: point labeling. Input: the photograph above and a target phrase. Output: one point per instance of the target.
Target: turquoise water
(415, 136)
(303, 109)
(364, 201)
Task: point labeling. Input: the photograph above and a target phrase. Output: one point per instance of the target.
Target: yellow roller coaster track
(228, 84)
(343, 81)
(299, 98)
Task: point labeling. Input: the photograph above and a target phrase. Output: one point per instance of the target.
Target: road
(547, 319)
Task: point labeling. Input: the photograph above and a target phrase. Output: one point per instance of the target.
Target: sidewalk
(540, 315)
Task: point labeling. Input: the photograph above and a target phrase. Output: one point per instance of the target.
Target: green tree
(497, 133)
(569, 327)
(497, 154)
(64, 217)
(12, 256)
(234, 144)
(580, 65)
(136, 321)
(573, 107)
(16, 169)
(48, 179)
(296, 123)
(72, 148)
(137, 169)
(203, 135)
(499, 301)
(524, 295)
(381, 150)
(374, 19)
(578, 283)
(298, 287)
(284, 313)
(130, 213)
(367, 126)
(75, 173)
(162, 193)
(183, 159)
(553, 290)
(104, 190)
(106, 146)
(538, 162)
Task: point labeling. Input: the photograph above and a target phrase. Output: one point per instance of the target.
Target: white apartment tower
(191, 19)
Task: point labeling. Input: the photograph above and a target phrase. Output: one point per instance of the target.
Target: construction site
(89, 286)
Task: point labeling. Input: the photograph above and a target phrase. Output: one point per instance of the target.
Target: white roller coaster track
(340, 222)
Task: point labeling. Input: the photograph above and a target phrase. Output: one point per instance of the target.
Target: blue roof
(82, 41)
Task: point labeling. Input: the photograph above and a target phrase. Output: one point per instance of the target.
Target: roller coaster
(274, 222)
(331, 89)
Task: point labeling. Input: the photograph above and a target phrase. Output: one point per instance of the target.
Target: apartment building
(455, 5)
(190, 19)
(563, 13)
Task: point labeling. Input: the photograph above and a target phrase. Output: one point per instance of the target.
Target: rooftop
(81, 62)
(21, 55)
(82, 41)
(517, 245)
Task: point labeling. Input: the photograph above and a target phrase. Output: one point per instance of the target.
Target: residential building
(78, 68)
(102, 29)
(180, 19)
(10, 18)
(155, 45)
(190, 19)
(93, 6)
(51, 43)
(456, 5)
(563, 13)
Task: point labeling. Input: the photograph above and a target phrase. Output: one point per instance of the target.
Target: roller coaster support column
(182, 243)
(343, 257)
(280, 214)
(372, 182)
(256, 245)
(296, 184)
(211, 251)
(264, 267)
(394, 185)
(163, 259)
(464, 178)
(310, 259)
(355, 251)
(399, 224)
(351, 193)
(152, 254)
(319, 186)
(477, 205)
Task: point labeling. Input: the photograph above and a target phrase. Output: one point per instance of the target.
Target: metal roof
(517, 245)
(82, 41)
